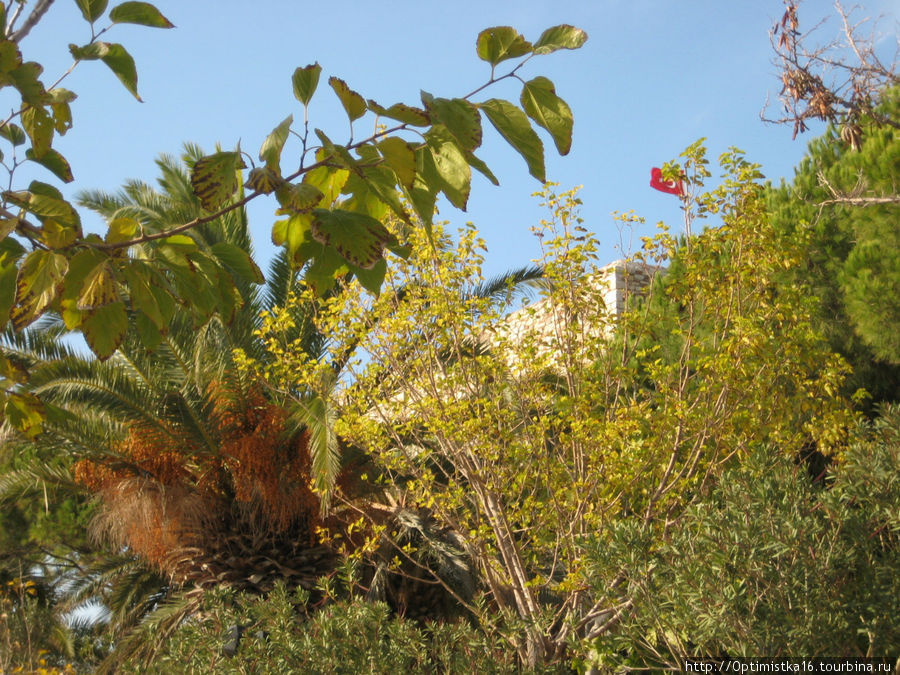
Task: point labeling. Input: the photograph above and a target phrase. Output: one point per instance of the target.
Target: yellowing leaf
(104, 329)
(500, 43)
(560, 37)
(400, 157)
(214, 178)
(37, 285)
(359, 238)
(353, 103)
(270, 152)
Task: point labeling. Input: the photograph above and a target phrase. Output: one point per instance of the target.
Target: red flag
(671, 187)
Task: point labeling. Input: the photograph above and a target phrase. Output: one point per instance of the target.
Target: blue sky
(652, 78)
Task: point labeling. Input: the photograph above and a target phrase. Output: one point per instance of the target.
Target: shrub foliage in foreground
(349, 637)
(770, 563)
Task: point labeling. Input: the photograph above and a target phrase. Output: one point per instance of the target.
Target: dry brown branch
(838, 81)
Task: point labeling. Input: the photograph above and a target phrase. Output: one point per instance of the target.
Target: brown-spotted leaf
(215, 178)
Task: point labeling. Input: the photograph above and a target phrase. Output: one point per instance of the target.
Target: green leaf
(25, 412)
(89, 52)
(141, 13)
(426, 186)
(10, 56)
(292, 232)
(451, 165)
(91, 10)
(335, 153)
(371, 279)
(560, 37)
(322, 270)
(44, 204)
(481, 167)
(39, 127)
(297, 198)
(104, 329)
(459, 116)
(54, 162)
(400, 157)
(56, 235)
(37, 284)
(147, 330)
(120, 62)
(305, 81)
(10, 252)
(13, 133)
(402, 113)
(26, 79)
(513, 125)
(357, 237)
(270, 152)
(122, 229)
(238, 261)
(540, 102)
(353, 103)
(215, 178)
(330, 180)
(147, 296)
(500, 43)
(374, 192)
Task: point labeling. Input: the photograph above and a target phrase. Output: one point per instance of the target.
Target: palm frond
(317, 416)
(506, 286)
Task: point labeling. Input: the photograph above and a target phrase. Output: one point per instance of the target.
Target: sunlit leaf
(25, 412)
(500, 43)
(92, 10)
(305, 81)
(120, 62)
(353, 103)
(297, 198)
(359, 238)
(560, 37)
(141, 13)
(53, 162)
(329, 180)
(270, 152)
(215, 178)
(44, 203)
(40, 128)
(238, 261)
(13, 133)
(122, 229)
(540, 102)
(10, 252)
(460, 117)
(400, 157)
(10, 56)
(402, 113)
(451, 165)
(37, 284)
(514, 126)
(263, 179)
(25, 78)
(104, 329)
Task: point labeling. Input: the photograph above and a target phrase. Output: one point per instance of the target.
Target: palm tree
(202, 474)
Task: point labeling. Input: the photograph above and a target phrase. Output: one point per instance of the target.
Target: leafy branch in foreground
(332, 205)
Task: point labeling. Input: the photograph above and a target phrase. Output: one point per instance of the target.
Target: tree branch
(36, 14)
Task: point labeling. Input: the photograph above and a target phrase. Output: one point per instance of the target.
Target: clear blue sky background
(652, 78)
